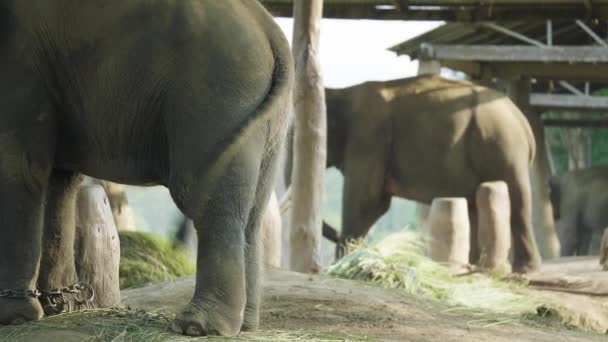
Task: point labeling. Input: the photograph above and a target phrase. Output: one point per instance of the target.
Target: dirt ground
(320, 308)
(349, 310)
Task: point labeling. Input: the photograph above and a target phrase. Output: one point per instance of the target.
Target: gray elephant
(190, 94)
(580, 199)
(426, 137)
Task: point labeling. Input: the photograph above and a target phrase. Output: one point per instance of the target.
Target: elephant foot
(252, 319)
(530, 267)
(194, 321)
(19, 310)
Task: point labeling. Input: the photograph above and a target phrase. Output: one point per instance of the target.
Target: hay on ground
(146, 258)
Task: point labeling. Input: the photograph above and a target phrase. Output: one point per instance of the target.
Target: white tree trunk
(309, 139)
(97, 247)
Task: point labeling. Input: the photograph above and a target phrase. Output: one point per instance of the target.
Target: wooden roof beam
(515, 53)
(570, 102)
(538, 70)
(452, 10)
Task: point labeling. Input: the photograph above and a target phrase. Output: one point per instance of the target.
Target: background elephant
(580, 199)
(189, 94)
(426, 137)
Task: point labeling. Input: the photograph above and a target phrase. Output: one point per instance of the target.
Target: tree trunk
(540, 172)
(97, 247)
(309, 139)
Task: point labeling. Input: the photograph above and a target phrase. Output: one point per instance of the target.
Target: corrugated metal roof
(564, 33)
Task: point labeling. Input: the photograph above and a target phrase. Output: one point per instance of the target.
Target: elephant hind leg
(221, 216)
(525, 251)
(253, 240)
(583, 246)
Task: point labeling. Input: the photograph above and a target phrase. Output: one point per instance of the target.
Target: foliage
(146, 258)
(599, 138)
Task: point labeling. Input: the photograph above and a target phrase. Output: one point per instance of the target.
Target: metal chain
(65, 299)
(19, 294)
(68, 299)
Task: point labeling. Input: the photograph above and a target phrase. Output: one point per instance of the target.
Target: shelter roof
(564, 33)
(452, 10)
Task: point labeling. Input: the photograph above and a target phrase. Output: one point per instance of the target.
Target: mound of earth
(350, 310)
(298, 307)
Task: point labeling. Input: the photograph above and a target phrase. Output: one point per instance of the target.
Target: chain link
(64, 299)
(19, 294)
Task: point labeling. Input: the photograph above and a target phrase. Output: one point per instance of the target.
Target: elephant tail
(271, 116)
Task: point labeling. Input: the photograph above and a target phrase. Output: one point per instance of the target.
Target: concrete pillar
(449, 231)
(494, 227)
(429, 67)
(422, 217)
(540, 172)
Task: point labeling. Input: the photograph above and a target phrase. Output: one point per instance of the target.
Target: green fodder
(147, 258)
(399, 261)
(126, 325)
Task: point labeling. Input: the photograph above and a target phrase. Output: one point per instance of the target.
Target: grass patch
(399, 261)
(126, 325)
(146, 258)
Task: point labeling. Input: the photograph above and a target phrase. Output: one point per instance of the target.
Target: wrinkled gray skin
(427, 137)
(190, 94)
(580, 203)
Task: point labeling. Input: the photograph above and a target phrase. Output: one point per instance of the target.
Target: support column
(309, 139)
(425, 67)
(540, 172)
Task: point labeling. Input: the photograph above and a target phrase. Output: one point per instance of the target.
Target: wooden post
(429, 67)
(425, 67)
(494, 227)
(97, 247)
(449, 229)
(309, 139)
(542, 212)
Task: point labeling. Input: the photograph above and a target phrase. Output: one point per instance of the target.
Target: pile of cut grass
(126, 325)
(399, 261)
(147, 258)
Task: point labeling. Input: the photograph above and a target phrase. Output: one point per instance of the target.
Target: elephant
(192, 94)
(270, 234)
(425, 137)
(579, 199)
